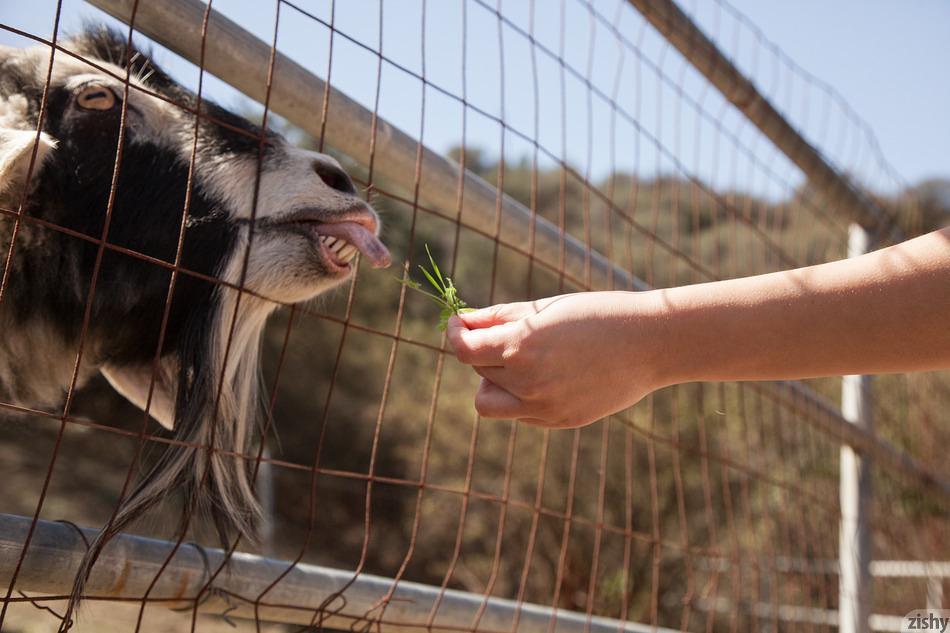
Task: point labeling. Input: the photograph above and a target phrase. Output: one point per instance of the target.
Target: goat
(121, 154)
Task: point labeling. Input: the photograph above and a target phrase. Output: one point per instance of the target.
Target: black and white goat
(287, 235)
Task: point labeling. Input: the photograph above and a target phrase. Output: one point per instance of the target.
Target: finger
(517, 383)
(493, 374)
(496, 375)
(453, 331)
(491, 401)
(534, 421)
(497, 314)
(481, 347)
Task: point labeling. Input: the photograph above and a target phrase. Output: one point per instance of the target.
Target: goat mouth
(338, 242)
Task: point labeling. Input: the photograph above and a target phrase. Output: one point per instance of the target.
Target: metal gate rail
(308, 594)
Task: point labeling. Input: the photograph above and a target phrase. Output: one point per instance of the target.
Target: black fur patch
(72, 191)
(237, 135)
(54, 276)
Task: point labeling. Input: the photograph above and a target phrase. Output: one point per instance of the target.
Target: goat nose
(334, 177)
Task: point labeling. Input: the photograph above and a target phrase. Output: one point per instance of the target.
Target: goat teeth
(326, 239)
(340, 244)
(347, 253)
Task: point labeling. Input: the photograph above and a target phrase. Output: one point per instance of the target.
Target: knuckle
(505, 311)
(517, 352)
(510, 355)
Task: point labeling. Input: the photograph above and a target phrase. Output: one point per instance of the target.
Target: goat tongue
(360, 237)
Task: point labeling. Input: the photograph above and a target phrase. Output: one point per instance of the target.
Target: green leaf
(447, 298)
(432, 280)
(435, 266)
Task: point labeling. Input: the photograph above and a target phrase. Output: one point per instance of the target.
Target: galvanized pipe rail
(307, 594)
(243, 61)
(678, 29)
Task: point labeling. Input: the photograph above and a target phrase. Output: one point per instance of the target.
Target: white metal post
(935, 593)
(854, 554)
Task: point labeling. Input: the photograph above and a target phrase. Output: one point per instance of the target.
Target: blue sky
(887, 59)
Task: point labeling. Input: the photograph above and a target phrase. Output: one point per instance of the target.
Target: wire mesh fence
(536, 148)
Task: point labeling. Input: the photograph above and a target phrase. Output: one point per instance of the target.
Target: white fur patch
(288, 182)
(13, 112)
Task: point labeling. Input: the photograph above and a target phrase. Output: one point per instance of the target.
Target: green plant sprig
(447, 296)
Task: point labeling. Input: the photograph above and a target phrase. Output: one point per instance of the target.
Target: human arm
(570, 360)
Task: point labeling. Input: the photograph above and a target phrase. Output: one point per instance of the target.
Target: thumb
(497, 314)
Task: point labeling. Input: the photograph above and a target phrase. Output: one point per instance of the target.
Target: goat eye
(96, 98)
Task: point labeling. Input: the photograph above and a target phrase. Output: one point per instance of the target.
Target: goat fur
(252, 219)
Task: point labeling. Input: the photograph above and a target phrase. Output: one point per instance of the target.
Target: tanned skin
(569, 360)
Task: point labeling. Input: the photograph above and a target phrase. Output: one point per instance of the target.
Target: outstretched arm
(572, 359)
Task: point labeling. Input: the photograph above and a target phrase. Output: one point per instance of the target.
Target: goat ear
(16, 148)
(133, 382)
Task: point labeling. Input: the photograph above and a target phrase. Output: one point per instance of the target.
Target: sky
(845, 67)
(888, 58)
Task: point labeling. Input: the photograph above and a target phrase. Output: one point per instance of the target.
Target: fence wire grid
(706, 507)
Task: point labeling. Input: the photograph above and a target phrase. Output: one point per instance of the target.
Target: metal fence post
(854, 588)
(935, 592)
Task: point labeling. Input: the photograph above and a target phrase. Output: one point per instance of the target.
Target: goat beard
(216, 430)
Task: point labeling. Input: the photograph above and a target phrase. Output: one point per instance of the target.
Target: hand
(569, 360)
(562, 361)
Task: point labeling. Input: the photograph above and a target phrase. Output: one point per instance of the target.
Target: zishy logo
(926, 620)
